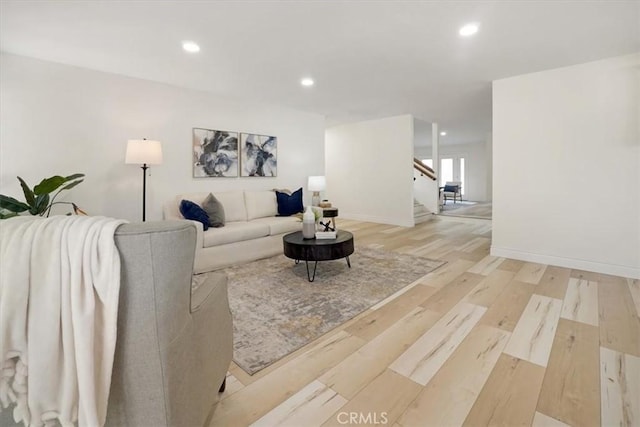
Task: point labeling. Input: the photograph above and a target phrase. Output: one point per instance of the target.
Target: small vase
(308, 224)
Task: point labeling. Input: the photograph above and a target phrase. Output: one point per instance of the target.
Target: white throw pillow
(261, 204)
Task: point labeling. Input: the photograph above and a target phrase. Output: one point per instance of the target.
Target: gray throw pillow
(215, 210)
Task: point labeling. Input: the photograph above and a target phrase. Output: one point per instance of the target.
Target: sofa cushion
(260, 204)
(192, 211)
(233, 203)
(280, 224)
(289, 204)
(214, 210)
(235, 232)
(194, 197)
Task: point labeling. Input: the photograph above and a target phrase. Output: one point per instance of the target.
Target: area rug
(468, 209)
(276, 310)
(451, 206)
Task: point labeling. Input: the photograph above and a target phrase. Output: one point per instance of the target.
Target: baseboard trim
(580, 264)
(376, 219)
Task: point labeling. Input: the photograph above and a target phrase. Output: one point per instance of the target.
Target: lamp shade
(316, 183)
(143, 151)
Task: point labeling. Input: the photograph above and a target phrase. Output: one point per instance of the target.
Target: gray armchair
(174, 346)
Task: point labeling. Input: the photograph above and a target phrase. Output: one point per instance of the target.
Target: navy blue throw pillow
(289, 204)
(192, 211)
(451, 188)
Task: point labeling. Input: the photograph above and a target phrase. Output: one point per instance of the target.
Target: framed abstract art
(258, 155)
(215, 153)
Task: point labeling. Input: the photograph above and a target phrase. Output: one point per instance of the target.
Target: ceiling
(370, 59)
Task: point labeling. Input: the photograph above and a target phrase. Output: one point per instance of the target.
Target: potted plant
(39, 200)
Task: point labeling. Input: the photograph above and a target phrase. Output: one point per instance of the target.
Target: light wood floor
(481, 210)
(480, 341)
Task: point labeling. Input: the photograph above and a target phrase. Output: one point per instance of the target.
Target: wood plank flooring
(480, 341)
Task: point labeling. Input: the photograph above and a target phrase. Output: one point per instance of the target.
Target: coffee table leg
(310, 277)
(348, 262)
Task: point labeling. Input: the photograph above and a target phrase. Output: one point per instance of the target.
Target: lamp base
(144, 168)
(315, 198)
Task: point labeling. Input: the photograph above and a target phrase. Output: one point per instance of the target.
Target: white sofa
(252, 230)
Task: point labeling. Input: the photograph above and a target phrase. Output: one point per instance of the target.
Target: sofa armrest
(171, 210)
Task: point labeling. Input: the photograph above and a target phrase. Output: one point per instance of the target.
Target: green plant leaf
(38, 200)
(48, 185)
(70, 186)
(13, 205)
(6, 215)
(42, 203)
(28, 194)
(74, 176)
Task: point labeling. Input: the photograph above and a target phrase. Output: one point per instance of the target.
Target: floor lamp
(144, 152)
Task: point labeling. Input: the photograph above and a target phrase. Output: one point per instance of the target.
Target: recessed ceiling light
(469, 30)
(443, 133)
(190, 47)
(307, 82)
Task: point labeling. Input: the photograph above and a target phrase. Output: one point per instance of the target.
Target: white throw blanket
(59, 287)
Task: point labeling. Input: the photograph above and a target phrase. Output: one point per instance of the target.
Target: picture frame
(215, 153)
(258, 155)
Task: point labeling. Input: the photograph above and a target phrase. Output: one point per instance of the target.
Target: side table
(331, 214)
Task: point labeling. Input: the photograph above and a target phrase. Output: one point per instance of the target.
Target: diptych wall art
(221, 153)
(258, 155)
(215, 153)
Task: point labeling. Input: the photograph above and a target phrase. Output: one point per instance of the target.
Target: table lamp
(316, 184)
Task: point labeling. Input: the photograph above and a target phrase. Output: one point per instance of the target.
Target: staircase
(421, 213)
(424, 169)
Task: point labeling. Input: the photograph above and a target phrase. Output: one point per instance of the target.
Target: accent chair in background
(452, 190)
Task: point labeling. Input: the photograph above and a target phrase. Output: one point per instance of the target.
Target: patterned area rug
(276, 310)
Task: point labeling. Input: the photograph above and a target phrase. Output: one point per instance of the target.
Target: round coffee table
(298, 249)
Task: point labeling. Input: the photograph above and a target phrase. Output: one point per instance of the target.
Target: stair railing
(424, 169)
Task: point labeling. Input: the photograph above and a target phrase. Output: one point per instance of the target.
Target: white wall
(566, 161)
(58, 119)
(476, 166)
(488, 145)
(369, 172)
(421, 133)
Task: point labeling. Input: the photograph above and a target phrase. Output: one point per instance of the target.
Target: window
(446, 170)
(462, 174)
(428, 162)
(452, 169)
